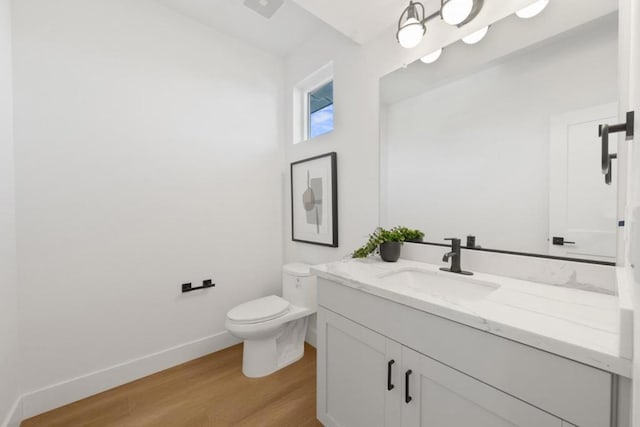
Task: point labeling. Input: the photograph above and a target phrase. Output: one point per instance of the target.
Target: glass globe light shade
(456, 11)
(411, 33)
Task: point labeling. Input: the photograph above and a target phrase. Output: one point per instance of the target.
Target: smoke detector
(265, 8)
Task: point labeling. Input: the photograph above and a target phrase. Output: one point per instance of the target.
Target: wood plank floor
(210, 391)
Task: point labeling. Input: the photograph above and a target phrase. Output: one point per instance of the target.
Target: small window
(313, 110)
(320, 107)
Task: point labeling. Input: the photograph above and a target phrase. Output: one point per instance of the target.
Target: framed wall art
(314, 200)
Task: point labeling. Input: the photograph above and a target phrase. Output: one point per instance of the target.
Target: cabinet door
(358, 374)
(435, 395)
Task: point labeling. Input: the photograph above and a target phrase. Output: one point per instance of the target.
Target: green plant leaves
(382, 235)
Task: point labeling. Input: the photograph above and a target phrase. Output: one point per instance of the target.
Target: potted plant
(388, 242)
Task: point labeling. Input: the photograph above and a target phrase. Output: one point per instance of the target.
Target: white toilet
(274, 328)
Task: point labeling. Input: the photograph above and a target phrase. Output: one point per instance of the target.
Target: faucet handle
(456, 243)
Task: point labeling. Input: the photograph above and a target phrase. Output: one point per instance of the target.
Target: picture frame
(314, 200)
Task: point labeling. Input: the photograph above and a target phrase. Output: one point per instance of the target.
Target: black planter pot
(390, 251)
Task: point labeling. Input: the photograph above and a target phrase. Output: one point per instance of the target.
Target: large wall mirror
(499, 140)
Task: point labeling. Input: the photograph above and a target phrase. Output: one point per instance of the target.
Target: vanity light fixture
(431, 57)
(475, 37)
(533, 9)
(412, 23)
(411, 26)
(455, 12)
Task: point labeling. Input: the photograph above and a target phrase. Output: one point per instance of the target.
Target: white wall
(148, 154)
(9, 387)
(472, 156)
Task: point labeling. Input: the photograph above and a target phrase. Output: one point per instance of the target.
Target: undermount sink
(443, 285)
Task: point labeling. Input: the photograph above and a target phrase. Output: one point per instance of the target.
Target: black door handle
(559, 241)
(603, 132)
(389, 385)
(407, 398)
(607, 176)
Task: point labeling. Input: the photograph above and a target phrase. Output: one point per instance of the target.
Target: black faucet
(455, 258)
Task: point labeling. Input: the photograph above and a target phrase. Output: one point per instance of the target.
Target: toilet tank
(299, 285)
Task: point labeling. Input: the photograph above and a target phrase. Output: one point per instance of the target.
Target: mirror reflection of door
(582, 209)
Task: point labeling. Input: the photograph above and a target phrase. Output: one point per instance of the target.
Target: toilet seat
(259, 310)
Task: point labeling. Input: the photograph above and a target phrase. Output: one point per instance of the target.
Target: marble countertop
(579, 325)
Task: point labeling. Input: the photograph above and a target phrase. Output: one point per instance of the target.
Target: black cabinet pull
(407, 398)
(389, 385)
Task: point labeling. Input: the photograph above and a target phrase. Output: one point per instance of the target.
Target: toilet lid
(259, 310)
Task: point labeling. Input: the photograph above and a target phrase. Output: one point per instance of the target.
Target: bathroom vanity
(404, 344)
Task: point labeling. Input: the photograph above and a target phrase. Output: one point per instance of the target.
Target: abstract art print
(314, 200)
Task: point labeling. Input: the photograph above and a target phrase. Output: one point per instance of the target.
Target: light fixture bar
(437, 14)
(412, 21)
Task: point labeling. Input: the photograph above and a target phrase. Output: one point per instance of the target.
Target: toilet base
(261, 357)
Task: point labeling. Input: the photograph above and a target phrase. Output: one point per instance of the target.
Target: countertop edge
(591, 357)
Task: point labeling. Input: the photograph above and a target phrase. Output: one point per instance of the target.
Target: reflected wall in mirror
(500, 141)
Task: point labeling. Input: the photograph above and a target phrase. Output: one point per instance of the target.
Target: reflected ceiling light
(412, 22)
(411, 26)
(432, 57)
(533, 9)
(474, 38)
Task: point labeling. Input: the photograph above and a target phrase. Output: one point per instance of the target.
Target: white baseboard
(14, 417)
(54, 396)
(312, 337)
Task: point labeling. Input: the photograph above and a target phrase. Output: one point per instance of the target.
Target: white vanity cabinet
(381, 363)
(370, 380)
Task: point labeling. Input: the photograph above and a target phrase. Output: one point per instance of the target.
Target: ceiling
(289, 26)
(361, 20)
(295, 21)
